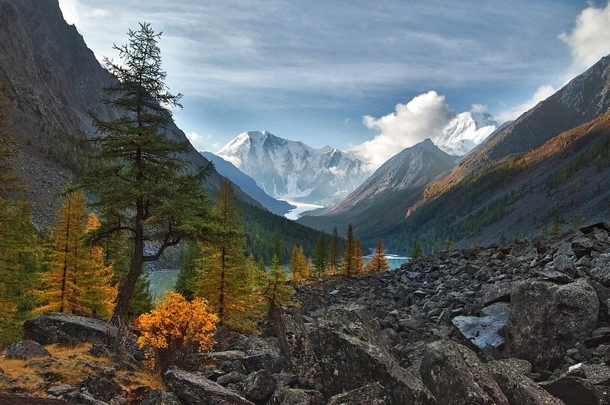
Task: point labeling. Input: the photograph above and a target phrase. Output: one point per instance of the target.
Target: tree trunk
(135, 270)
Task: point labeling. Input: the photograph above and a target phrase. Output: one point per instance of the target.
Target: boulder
(546, 319)
(194, 389)
(289, 396)
(259, 386)
(353, 353)
(455, 376)
(572, 390)
(370, 394)
(483, 331)
(26, 349)
(161, 397)
(101, 387)
(511, 376)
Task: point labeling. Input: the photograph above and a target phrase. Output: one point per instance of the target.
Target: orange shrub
(173, 326)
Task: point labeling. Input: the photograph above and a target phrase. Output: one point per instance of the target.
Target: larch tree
(334, 256)
(358, 258)
(273, 288)
(319, 256)
(77, 279)
(223, 278)
(378, 263)
(299, 268)
(19, 248)
(348, 267)
(145, 190)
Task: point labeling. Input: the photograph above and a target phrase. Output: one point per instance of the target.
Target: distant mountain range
(247, 184)
(291, 170)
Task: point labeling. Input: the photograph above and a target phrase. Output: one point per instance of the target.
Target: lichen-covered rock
(370, 394)
(519, 389)
(197, 390)
(290, 396)
(161, 397)
(259, 386)
(101, 387)
(546, 319)
(455, 376)
(352, 354)
(573, 390)
(26, 349)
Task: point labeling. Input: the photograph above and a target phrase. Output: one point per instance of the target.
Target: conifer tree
(77, 281)
(378, 263)
(320, 255)
(348, 268)
(417, 251)
(299, 268)
(223, 276)
(144, 187)
(273, 288)
(185, 283)
(334, 257)
(358, 258)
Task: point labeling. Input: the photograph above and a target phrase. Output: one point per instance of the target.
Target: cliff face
(52, 80)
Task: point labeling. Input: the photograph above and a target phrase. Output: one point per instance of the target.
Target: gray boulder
(573, 390)
(290, 396)
(259, 386)
(483, 331)
(455, 376)
(197, 390)
(546, 319)
(370, 394)
(161, 397)
(26, 349)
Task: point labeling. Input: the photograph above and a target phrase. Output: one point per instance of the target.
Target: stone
(59, 390)
(348, 338)
(194, 389)
(101, 387)
(511, 376)
(290, 396)
(25, 350)
(547, 319)
(483, 332)
(259, 386)
(233, 377)
(370, 394)
(455, 376)
(572, 390)
(160, 397)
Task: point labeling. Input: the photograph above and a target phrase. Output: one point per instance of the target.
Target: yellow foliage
(172, 326)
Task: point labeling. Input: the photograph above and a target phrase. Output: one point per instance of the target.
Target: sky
(370, 77)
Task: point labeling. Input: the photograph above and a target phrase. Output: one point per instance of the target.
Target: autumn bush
(173, 327)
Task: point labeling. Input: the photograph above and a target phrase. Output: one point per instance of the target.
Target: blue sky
(313, 70)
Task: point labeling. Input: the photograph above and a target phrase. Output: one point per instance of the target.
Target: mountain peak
(466, 131)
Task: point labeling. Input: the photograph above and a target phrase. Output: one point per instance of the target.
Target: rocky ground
(523, 323)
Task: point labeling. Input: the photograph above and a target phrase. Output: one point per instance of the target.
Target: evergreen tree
(187, 276)
(378, 263)
(556, 229)
(417, 251)
(334, 257)
(348, 267)
(320, 256)
(144, 187)
(273, 288)
(223, 276)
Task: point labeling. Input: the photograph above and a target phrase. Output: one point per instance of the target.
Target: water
(300, 209)
(394, 261)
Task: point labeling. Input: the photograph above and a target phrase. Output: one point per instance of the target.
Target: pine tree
(334, 257)
(320, 255)
(273, 288)
(348, 267)
(378, 263)
(223, 276)
(417, 251)
(185, 283)
(144, 187)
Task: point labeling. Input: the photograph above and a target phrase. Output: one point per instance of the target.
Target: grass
(68, 365)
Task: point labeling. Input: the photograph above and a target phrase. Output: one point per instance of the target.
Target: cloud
(423, 117)
(589, 41)
(541, 94)
(201, 143)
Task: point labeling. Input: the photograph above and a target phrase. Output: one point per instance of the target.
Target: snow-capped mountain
(465, 132)
(247, 184)
(292, 170)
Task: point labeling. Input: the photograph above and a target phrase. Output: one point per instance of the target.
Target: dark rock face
(573, 391)
(371, 394)
(546, 319)
(259, 386)
(101, 388)
(197, 390)
(26, 349)
(455, 375)
(160, 397)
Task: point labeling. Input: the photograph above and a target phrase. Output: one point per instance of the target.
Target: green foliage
(349, 267)
(417, 251)
(273, 289)
(556, 229)
(143, 186)
(319, 256)
(185, 284)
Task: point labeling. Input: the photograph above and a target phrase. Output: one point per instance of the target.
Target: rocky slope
(526, 322)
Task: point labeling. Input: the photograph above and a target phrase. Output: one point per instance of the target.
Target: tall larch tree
(334, 256)
(319, 256)
(299, 268)
(77, 279)
(19, 245)
(223, 278)
(358, 258)
(348, 267)
(378, 263)
(145, 189)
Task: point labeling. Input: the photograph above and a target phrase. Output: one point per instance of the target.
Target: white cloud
(201, 143)
(541, 94)
(423, 117)
(589, 41)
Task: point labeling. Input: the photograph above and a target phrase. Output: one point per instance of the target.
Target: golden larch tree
(378, 263)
